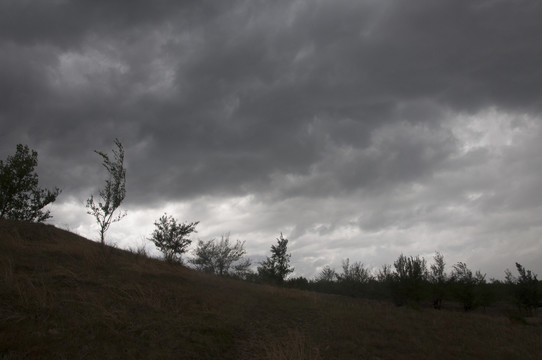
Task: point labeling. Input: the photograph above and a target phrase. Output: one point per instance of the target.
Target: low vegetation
(65, 297)
(411, 283)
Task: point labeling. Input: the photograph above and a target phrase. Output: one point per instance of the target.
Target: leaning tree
(113, 192)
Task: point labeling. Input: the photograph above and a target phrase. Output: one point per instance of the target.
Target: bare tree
(113, 192)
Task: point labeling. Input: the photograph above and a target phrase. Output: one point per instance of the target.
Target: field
(66, 297)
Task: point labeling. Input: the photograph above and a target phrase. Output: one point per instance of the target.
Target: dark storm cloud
(227, 97)
(65, 23)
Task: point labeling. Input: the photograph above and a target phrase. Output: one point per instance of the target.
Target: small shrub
(171, 238)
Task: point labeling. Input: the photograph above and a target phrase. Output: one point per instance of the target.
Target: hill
(66, 297)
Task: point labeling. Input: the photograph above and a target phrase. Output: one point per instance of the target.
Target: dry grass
(64, 297)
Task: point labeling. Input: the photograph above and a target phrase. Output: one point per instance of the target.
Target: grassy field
(65, 297)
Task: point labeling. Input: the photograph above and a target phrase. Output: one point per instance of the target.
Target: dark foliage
(408, 280)
(437, 278)
(468, 287)
(525, 288)
(20, 196)
(298, 283)
(171, 238)
(221, 258)
(275, 268)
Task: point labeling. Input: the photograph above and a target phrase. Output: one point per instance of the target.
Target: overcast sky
(358, 129)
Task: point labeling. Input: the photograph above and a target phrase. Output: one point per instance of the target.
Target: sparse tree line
(22, 199)
(222, 257)
(409, 281)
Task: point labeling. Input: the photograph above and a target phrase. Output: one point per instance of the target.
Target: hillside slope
(66, 297)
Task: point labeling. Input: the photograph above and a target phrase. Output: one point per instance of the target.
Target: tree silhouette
(171, 237)
(20, 196)
(113, 192)
(221, 258)
(525, 287)
(276, 267)
(438, 278)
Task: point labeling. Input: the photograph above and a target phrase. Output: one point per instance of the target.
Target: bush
(171, 238)
(221, 258)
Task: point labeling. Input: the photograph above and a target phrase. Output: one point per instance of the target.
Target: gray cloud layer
(364, 108)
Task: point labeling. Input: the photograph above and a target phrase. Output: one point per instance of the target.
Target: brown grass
(64, 297)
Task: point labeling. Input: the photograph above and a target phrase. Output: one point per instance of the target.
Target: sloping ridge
(65, 297)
